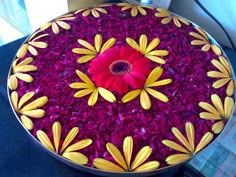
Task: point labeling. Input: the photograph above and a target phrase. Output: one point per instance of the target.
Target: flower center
(120, 67)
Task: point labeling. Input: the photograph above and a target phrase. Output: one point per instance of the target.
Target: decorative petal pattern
(224, 75)
(59, 22)
(32, 44)
(124, 161)
(19, 72)
(189, 148)
(95, 11)
(88, 87)
(148, 49)
(28, 110)
(147, 90)
(92, 51)
(218, 111)
(134, 9)
(202, 39)
(167, 18)
(68, 151)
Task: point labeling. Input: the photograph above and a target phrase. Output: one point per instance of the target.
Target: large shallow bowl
(161, 171)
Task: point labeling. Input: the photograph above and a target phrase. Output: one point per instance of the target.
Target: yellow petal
(132, 43)
(26, 61)
(198, 42)
(35, 104)
(56, 132)
(95, 13)
(98, 42)
(87, 45)
(225, 64)
(93, 98)
(142, 10)
(158, 95)
(219, 66)
(205, 140)
(160, 83)
(230, 88)
(221, 82)
(32, 50)
(70, 137)
(190, 134)
(154, 75)
(67, 18)
(25, 68)
(37, 113)
(26, 97)
(134, 12)
(83, 51)
(55, 28)
(22, 50)
(216, 49)
(183, 20)
(27, 122)
(166, 20)
(64, 25)
(198, 36)
(79, 145)
(131, 95)
(116, 154)
(217, 74)
(153, 44)
(156, 59)
(177, 158)
(83, 93)
(176, 22)
(206, 47)
(128, 149)
(159, 53)
(106, 165)
(84, 78)
(228, 107)
(208, 107)
(43, 138)
(126, 8)
(145, 100)
(106, 94)
(45, 26)
(217, 127)
(85, 58)
(202, 33)
(175, 146)
(215, 99)
(152, 165)
(209, 116)
(86, 12)
(39, 44)
(143, 43)
(181, 138)
(24, 77)
(141, 157)
(12, 82)
(108, 44)
(14, 100)
(76, 157)
(79, 85)
(101, 10)
(40, 36)
(162, 12)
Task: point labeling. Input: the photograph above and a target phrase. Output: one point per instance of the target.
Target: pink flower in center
(119, 68)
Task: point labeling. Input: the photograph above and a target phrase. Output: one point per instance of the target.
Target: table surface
(19, 156)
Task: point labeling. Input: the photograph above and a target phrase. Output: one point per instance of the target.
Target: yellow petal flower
(79, 145)
(228, 107)
(43, 138)
(230, 88)
(160, 83)
(14, 100)
(226, 64)
(98, 42)
(177, 158)
(85, 58)
(55, 28)
(79, 85)
(175, 146)
(12, 82)
(145, 100)
(93, 98)
(221, 82)
(209, 116)
(152, 165)
(154, 75)
(216, 49)
(158, 95)
(22, 51)
(35, 104)
(69, 138)
(32, 50)
(215, 99)
(83, 51)
(219, 66)
(190, 135)
(24, 77)
(86, 44)
(131, 95)
(106, 165)
(205, 140)
(63, 25)
(116, 154)
(128, 149)
(108, 44)
(153, 44)
(143, 43)
(27, 122)
(37, 113)
(56, 131)
(155, 59)
(208, 107)
(206, 47)
(217, 127)
(39, 44)
(76, 157)
(25, 68)
(217, 74)
(132, 43)
(85, 78)
(26, 61)
(141, 157)
(106, 94)
(83, 93)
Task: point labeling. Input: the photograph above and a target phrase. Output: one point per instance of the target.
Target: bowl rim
(95, 171)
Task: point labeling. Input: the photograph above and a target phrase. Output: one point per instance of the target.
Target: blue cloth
(19, 156)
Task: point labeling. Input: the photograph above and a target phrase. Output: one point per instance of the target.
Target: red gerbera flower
(118, 68)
